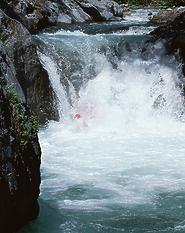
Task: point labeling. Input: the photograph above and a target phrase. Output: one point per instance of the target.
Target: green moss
(1, 37)
(26, 124)
(6, 47)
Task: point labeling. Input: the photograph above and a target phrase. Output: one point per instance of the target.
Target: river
(120, 167)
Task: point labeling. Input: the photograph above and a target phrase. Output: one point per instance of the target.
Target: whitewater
(121, 166)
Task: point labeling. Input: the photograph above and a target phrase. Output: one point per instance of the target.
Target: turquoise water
(167, 215)
(121, 166)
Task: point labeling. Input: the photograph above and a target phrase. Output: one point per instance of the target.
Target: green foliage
(25, 123)
(7, 50)
(1, 37)
(6, 47)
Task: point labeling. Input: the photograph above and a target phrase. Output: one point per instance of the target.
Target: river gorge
(120, 167)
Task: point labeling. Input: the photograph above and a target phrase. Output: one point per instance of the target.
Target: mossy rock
(26, 123)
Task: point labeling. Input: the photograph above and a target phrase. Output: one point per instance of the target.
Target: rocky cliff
(25, 92)
(166, 15)
(37, 15)
(19, 152)
(29, 73)
(173, 35)
(24, 85)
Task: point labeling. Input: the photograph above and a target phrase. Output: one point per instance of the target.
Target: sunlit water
(121, 166)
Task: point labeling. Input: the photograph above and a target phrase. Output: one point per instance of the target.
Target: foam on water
(133, 30)
(122, 143)
(66, 33)
(140, 15)
(127, 148)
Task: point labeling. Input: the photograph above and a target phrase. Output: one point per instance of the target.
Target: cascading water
(121, 166)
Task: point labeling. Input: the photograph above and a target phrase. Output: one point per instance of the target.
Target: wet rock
(19, 162)
(9, 10)
(92, 11)
(64, 18)
(159, 103)
(37, 15)
(102, 10)
(150, 14)
(117, 10)
(74, 11)
(166, 15)
(28, 72)
(173, 33)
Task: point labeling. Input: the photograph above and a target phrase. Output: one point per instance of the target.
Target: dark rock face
(166, 15)
(24, 85)
(37, 15)
(28, 71)
(72, 10)
(102, 10)
(173, 33)
(19, 155)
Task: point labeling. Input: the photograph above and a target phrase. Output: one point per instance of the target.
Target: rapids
(121, 166)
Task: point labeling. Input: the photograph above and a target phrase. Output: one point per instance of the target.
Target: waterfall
(120, 166)
(111, 83)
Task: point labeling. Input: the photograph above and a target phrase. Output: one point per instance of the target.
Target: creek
(120, 167)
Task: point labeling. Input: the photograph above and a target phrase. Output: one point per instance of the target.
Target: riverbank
(27, 90)
(112, 170)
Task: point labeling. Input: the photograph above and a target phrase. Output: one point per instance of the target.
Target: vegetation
(6, 48)
(25, 123)
(155, 2)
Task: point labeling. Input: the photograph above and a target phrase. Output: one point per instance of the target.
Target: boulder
(19, 153)
(74, 11)
(166, 15)
(38, 15)
(92, 11)
(28, 71)
(103, 10)
(173, 33)
(25, 91)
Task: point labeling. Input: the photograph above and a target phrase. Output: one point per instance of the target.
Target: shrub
(25, 123)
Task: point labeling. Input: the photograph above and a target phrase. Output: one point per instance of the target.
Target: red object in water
(77, 116)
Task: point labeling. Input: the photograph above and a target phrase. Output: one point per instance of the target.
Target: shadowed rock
(19, 153)
(174, 35)
(28, 70)
(166, 15)
(37, 15)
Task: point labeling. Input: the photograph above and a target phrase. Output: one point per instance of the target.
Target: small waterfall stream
(121, 166)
